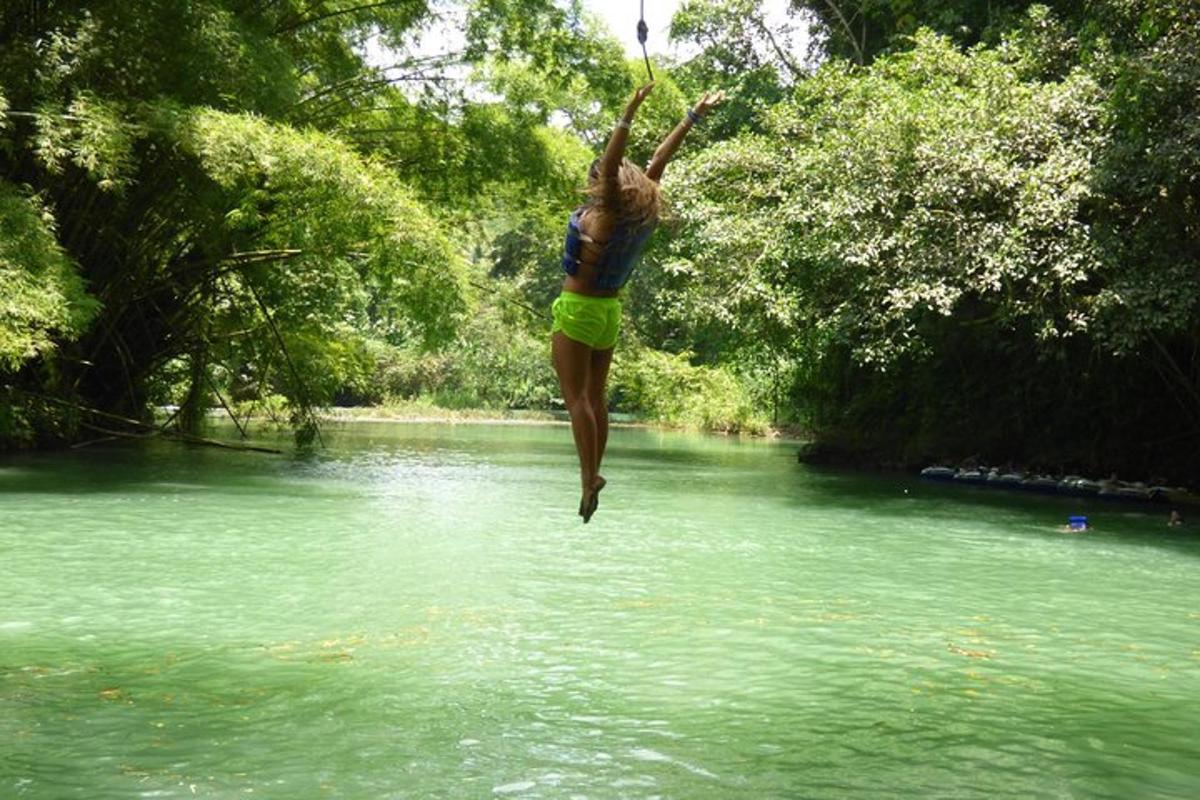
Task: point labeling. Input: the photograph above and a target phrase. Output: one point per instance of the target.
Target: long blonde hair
(641, 201)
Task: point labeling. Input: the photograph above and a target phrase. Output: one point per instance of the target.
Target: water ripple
(419, 613)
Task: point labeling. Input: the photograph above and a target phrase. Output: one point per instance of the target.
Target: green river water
(418, 612)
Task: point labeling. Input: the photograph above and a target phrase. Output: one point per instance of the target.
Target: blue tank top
(620, 254)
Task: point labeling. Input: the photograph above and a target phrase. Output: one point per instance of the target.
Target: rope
(643, 33)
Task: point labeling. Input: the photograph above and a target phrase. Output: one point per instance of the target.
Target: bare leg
(597, 392)
(573, 363)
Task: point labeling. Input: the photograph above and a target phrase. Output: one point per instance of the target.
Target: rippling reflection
(417, 612)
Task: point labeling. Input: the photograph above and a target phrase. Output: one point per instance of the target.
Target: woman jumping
(605, 238)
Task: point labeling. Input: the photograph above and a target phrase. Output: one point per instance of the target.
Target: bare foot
(588, 504)
(591, 498)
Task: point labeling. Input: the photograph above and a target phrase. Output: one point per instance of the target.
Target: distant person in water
(1076, 524)
(605, 238)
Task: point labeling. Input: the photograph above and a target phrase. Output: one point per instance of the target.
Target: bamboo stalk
(287, 357)
(225, 405)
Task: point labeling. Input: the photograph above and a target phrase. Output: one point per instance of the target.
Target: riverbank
(419, 412)
(1150, 491)
(428, 413)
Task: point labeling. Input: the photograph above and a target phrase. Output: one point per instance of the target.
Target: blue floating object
(1077, 523)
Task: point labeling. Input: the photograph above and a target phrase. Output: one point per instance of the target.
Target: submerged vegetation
(940, 231)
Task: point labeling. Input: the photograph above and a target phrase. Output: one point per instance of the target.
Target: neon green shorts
(594, 321)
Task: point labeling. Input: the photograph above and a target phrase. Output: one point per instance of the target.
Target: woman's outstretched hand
(710, 101)
(638, 96)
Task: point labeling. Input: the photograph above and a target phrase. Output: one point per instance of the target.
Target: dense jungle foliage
(943, 228)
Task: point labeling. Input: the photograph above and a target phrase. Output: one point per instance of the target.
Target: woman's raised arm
(658, 162)
(610, 162)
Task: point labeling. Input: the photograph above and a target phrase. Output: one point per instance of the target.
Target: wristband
(694, 117)
(623, 123)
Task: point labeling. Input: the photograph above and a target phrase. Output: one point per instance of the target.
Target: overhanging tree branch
(787, 62)
(301, 23)
(858, 48)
